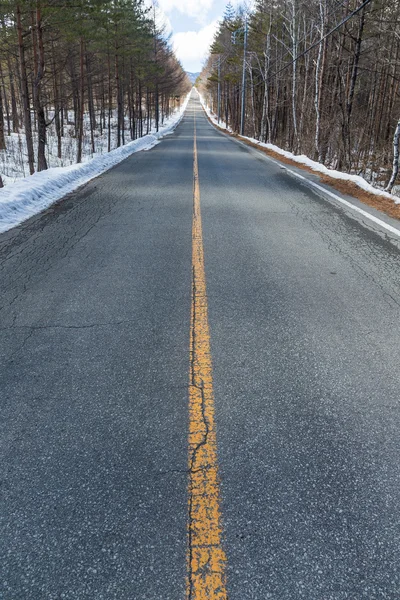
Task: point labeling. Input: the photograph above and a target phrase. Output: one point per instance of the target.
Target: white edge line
(328, 193)
(343, 201)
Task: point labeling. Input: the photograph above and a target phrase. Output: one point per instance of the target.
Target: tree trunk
(294, 80)
(157, 108)
(109, 105)
(122, 79)
(319, 74)
(395, 169)
(57, 107)
(5, 104)
(140, 109)
(81, 102)
(92, 118)
(2, 136)
(25, 94)
(102, 119)
(349, 103)
(14, 109)
(37, 89)
(119, 98)
(132, 104)
(253, 110)
(148, 113)
(265, 133)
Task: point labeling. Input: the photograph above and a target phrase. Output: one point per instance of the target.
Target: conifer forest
(79, 77)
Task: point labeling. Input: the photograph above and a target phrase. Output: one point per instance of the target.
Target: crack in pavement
(206, 558)
(57, 326)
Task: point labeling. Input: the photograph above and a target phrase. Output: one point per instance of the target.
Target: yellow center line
(206, 558)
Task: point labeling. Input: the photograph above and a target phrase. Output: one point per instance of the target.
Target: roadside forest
(79, 77)
(321, 79)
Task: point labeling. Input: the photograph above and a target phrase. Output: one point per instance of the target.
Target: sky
(192, 24)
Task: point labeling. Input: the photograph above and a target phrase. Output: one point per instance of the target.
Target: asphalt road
(304, 307)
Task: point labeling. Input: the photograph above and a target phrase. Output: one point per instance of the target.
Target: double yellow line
(206, 558)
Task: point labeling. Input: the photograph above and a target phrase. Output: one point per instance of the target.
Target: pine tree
(77, 68)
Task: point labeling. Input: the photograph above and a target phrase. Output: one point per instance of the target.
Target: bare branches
(324, 78)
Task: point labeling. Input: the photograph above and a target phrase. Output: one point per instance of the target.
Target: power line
(317, 43)
(308, 34)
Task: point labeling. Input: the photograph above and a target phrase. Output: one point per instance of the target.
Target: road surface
(132, 465)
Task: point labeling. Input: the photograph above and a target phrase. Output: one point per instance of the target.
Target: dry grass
(351, 189)
(342, 185)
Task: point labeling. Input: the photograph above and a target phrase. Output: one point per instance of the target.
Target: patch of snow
(211, 116)
(304, 160)
(320, 168)
(30, 195)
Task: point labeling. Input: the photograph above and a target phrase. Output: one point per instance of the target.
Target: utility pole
(244, 79)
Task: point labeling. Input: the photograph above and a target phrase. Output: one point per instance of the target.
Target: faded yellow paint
(206, 557)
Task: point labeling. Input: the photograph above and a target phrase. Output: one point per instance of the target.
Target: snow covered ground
(24, 197)
(304, 160)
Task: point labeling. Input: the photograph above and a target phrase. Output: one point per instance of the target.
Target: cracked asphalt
(304, 306)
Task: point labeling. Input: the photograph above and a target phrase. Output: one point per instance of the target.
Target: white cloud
(191, 47)
(197, 9)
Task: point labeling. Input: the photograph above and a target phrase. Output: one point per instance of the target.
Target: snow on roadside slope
(29, 196)
(211, 116)
(304, 160)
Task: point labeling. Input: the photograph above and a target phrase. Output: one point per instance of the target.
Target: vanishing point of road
(200, 386)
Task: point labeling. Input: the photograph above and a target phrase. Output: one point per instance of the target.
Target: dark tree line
(320, 80)
(83, 67)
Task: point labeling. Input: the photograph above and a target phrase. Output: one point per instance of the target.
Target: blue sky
(192, 24)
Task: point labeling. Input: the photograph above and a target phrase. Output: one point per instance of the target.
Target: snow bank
(211, 116)
(320, 168)
(30, 195)
(312, 164)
